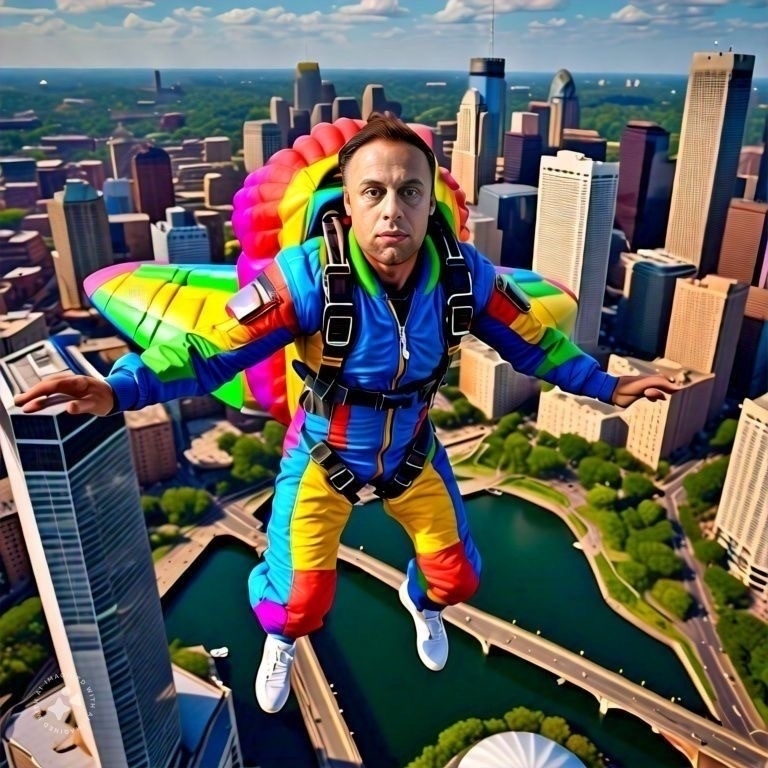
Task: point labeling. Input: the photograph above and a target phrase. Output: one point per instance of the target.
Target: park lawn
(577, 524)
(541, 489)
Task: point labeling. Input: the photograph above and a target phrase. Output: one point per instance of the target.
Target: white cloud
(631, 14)
(87, 6)
(549, 24)
(195, 14)
(373, 8)
(7, 10)
(134, 21)
(389, 33)
(464, 11)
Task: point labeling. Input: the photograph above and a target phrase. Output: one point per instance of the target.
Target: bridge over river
(706, 744)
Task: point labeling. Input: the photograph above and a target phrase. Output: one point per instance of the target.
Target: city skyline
(643, 37)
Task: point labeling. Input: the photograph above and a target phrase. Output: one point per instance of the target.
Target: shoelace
(280, 666)
(434, 624)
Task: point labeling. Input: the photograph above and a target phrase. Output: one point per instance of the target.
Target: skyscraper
(261, 139)
(487, 77)
(307, 85)
(745, 239)
(79, 507)
(645, 184)
(473, 162)
(152, 182)
(513, 210)
(742, 515)
(81, 236)
(706, 320)
(574, 223)
(522, 149)
(643, 317)
(563, 107)
(707, 160)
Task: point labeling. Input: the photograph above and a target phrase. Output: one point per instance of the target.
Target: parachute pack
(290, 199)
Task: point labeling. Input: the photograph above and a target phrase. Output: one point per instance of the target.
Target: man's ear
(347, 207)
(432, 206)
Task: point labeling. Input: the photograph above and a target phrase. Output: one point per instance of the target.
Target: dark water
(392, 703)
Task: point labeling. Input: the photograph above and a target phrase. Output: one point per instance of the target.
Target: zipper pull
(403, 345)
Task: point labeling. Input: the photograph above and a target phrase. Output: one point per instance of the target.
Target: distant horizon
(589, 36)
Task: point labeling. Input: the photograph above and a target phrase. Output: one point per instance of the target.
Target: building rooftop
(518, 749)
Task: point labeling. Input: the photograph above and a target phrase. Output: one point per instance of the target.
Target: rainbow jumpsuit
(292, 588)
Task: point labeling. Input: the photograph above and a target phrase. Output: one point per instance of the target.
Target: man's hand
(632, 388)
(84, 394)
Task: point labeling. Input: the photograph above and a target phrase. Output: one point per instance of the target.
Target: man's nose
(392, 209)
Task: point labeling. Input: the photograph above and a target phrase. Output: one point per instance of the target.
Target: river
(395, 706)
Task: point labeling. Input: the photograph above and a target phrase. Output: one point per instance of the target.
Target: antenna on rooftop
(493, 21)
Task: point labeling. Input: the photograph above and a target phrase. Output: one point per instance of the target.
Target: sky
(599, 36)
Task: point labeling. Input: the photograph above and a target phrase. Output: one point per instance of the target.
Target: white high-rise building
(562, 413)
(741, 525)
(261, 139)
(716, 103)
(574, 222)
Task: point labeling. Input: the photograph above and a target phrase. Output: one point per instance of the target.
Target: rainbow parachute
(152, 303)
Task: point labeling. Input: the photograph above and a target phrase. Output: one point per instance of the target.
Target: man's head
(388, 173)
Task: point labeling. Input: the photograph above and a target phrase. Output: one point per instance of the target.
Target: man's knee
(310, 600)
(451, 576)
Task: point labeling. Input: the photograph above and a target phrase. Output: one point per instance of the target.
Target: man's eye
(410, 192)
(372, 193)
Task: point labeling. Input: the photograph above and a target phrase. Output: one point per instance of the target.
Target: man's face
(388, 195)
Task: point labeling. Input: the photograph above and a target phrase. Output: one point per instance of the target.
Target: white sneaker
(273, 680)
(431, 640)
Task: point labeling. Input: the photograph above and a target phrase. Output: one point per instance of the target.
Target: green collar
(368, 278)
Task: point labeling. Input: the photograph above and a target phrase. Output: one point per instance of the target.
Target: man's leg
(292, 589)
(446, 568)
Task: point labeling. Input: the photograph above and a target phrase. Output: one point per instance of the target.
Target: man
(371, 424)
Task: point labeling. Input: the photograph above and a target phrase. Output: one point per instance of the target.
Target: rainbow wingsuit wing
(152, 303)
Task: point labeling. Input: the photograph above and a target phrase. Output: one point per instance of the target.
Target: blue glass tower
(487, 76)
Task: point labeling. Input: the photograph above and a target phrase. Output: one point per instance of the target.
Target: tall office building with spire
(574, 221)
(486, 76)
(79, 506)
(707, 160)
(307, 85)
(81, 236)
(742, 516)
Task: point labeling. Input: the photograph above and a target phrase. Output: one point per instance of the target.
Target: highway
(689, 732)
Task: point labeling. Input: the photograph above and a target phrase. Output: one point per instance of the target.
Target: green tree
(596, 471)
(612, 529)
(252, 460)
(705, 486)
(555, 728)
(709, 552)
(494, 725)
(635, 487)
(726, 590)
(601, 497)
(602, 450)
(635, 574)
(153, 511)
(657, 557)
(544, 462)
(662, 469)
(443, 419)
(650, 512)
(226, 441)
(508, 424)
(10, 218)
(573, 447)
(184, 506)
(625, 459)
(273, 435)
(468, 413)
(193, 661)
(524, 719)
(725, 435)
(547, 439)
(583, 748)
(515, 453)
(673, 596)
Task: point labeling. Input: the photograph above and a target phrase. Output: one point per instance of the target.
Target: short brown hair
(386, 127)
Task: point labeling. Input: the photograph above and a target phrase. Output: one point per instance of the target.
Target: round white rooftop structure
(519, 749)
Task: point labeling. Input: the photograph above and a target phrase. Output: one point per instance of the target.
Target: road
(688, 731)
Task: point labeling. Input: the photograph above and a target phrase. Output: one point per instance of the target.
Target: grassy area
(578, 525)
(540, 489)
(160, 552)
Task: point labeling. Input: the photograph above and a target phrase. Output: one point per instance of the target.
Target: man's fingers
(654, 394)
